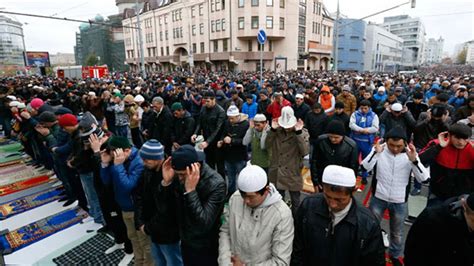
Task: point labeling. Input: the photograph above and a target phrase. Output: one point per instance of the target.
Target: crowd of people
(194, 169)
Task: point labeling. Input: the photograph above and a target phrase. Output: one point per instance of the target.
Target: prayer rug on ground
(9, 159)
(20, 205)
(31, 233)
(24, 184)
(9, 148)
(17, 176)
(91, 252)
(12, 168)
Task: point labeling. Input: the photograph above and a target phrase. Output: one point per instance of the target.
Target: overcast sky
(451, 19)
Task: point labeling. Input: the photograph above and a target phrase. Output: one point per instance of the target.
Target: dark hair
(339, 105)
(261, 191)
(442, 97)
(365, 103)
(346, 190)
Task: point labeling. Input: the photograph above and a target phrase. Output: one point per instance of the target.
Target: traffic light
(332, 60)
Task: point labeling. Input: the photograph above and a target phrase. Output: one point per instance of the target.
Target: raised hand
(119, 157)
(275, 123)
(378, 146)
(167, 171)
(95, 143)
(105, 157)
(411, 152)
(192, 177)
(299, 125)
(443, 139)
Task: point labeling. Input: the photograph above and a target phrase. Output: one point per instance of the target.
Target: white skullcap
(11, 97)
(299, 96)
(116, 91)
(252, 179)
(339, 176)
(397, 107)
(139, 99)
(381, 88)
(14, 103)
(91, 93)
(21, 106)
(260, 118)
(138, 88)
(233, 111)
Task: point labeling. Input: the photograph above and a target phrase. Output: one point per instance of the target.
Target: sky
(451, 19)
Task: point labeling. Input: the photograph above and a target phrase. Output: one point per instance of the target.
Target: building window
(269, 2)
(254, 2)
(162, 51)
(329, 31)
(194, 30)
(167, 50)
(166, 34)
(224, 45)
(165, 18)
(212, 5)
(201, 28)
(202, 47)
(260, 47)
(161, 36)
(213, 26)
(192, 12)
(249, 45)
(282, 3)
(353, 50)
(201, 9)
(194, 48)
(269, 22)
(282, 23)
(324, 30)
(218, 5)
(218, 25)
(241, 3)
(270, 45)
(355, 37)
(223, 4)
(255, 22)
(241, 23)
(174, 33)
(223, 24)
(216, 46)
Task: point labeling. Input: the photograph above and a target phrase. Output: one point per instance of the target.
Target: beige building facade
(222, 35)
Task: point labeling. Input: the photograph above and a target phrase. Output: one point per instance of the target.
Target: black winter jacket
(355, 241)
(324, 153)
(316, 125)
(161, 126)
(301, 111)
(183, 129)
(235, 151)
(440, 236)
(199, 211)
(157, 211)
(427, 130)
(211, 122)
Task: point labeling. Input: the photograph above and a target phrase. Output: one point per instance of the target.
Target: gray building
(412, 31)
(351, 44)
(12, 43)
(384, 50)
(433, 51)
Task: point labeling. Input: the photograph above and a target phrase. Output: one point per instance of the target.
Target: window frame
(252, 22)
(269, 19)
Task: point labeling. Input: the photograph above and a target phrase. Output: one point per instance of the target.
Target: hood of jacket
(273, 197)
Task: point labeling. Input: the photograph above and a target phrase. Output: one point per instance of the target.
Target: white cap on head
(299, 96)
(287, 118)
(252, 179)
(260, 118)
(381, 88)
(137, 88)
(397, 107)
(14, 103)
(11, 97)
(233, 111)
(139, 99)
(116, 91)
(339, 176)
(91, 93)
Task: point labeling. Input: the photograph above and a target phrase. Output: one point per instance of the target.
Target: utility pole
(140, 41)
(336, 35)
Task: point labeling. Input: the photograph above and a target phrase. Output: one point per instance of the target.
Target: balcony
(316, 48)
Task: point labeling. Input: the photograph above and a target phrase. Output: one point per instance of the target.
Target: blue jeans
(233, 169)
(364, 149)
(87, 181)
(166, 254)
(121, 131)
(398, 213)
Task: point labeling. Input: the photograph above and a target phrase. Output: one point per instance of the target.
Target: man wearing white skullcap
(256, 136)
(331, 228)
(256, 207)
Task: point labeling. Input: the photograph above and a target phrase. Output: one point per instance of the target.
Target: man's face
(339, 111)
(152, 164)
(254, 199)
(48, 124)
(263, 97)
(336, 200)
(335, 139)
(417, 101)
(179, 113)
(396, 146)
(364, 109)
(234, 119)
(458, 143)
(117, 100)
(260, 126)
(345, 93)
(396, 113)
(70, 129)
(182, 174)
(234, 96)
(210, 102)
(157, 106)
(249, 101)
(279, 98)
(299, 101)
(317, 110)
(367, 95)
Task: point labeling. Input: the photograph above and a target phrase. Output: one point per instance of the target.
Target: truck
(81, 72)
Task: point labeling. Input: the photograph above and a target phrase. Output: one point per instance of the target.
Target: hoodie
(259, 236)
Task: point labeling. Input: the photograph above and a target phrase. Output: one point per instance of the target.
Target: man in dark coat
(160, 128)
(183, 126)
(331, 228)
(443, 235)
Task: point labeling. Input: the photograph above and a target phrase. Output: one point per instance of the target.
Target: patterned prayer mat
(13, 168)
(31, 233)
(91, 252)
(20, 205)
(20, 175)
(6, 160)
(21, 185)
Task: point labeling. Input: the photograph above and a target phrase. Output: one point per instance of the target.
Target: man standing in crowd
(300, 107)
(365, 125)
(287, 142)
(397, 116)
(341, 116)
(316, 122)
(124, 175)
(183, 126)
(199, 193)
(153, 216)
(443, 235)
(349, 100)
(258, 225)
(393, 164)
(416, 106)
(210, 125)
(161, 125)
(274, 109)
(233, 150)
(336, 148)
(451, 161)
(121, 118)
(331, 228)
(256, 136)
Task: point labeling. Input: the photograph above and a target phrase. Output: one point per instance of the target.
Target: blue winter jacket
(124, 178)
(250, 110)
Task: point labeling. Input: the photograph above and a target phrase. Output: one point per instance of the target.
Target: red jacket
(274, 109)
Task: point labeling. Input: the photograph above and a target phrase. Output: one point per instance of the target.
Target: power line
(68, 19)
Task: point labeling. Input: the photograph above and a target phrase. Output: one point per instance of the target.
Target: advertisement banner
(37, 59)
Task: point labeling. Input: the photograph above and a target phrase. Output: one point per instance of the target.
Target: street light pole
(140, 41)
(336, 35)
